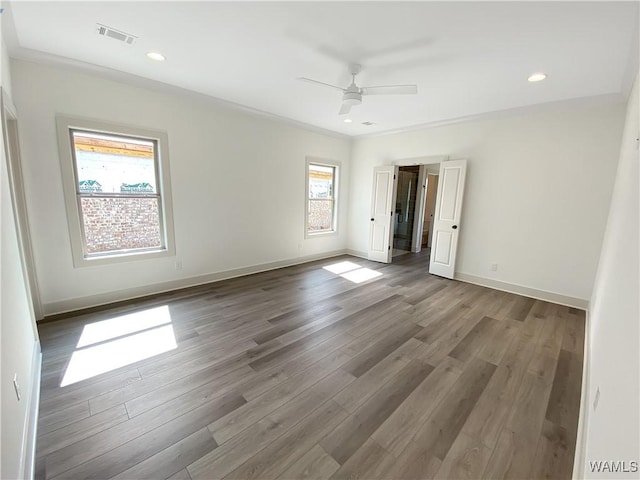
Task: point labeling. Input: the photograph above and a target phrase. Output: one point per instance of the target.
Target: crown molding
(42, 58)
(572, 103)
(56, 61)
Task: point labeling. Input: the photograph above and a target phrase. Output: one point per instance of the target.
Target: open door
(383, 201)
(447, 218)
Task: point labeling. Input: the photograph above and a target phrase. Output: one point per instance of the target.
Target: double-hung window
(322, 187)
(117, 191)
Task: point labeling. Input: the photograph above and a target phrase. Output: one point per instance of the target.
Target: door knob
(454, 226)
(372, 219)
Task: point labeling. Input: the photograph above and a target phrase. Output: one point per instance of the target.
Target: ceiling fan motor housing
(352, 98)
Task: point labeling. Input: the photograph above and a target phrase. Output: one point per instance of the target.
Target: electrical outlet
(493, 267)
(16, 386)
(178, 264)
(597, 399)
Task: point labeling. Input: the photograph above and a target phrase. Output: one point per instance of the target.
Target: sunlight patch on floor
(352, 271)
(341, 267)
(124, 325)
(361, 275)
(117, 342)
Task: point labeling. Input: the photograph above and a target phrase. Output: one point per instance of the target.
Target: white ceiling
(467, 58)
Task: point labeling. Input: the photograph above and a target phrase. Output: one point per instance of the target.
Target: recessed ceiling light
(536, 77)
(156, 56)
(347, 120)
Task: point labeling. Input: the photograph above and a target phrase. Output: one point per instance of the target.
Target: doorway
(414, 208)
(429, 209)
(387, 211)
(405, 209)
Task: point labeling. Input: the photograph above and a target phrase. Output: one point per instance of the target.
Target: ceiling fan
(352, 95)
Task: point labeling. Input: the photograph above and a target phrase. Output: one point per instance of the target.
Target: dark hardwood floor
(302, 373)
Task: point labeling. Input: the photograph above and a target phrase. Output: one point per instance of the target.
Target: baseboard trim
(583, 418)
(356, 253)
(552, 297)
(81, 303)
(31, 422)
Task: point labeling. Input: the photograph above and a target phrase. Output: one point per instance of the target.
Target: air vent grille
(115, 34)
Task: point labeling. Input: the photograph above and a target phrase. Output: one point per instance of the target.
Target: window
(117, 191)
(322, 181)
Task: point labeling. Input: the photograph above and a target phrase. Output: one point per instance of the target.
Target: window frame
(65, 127)
(322, 162)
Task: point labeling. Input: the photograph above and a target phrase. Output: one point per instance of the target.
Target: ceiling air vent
(115, 34)
(368, 124)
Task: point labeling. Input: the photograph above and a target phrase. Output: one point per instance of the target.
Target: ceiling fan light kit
(537, 77)
(352, 95)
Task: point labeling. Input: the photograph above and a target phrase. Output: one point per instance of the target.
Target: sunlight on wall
(117, 342)
(352, 271)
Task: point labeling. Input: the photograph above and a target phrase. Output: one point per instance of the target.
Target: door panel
(379, 235)
(446, 225)
(450, 190)
(442, 247)
(382, 206)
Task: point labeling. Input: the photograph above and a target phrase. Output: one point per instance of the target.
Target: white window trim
(336, 195)
(64, 125)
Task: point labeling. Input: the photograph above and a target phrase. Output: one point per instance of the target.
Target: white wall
(537, 193)
(18, 338)
(614, 357)
(238, 183)
(6, 70)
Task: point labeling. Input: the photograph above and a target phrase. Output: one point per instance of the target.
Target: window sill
(124, 257)
(328, 233)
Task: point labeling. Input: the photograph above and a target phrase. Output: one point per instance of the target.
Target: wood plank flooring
(300, 373)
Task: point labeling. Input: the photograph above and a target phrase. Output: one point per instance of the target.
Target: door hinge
(389, 247)
(394, 177)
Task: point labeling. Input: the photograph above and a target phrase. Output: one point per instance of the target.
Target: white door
(383, 202)
(446, 224)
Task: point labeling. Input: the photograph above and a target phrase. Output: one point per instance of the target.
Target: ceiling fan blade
(310, 80)
(344, 109)
(391, 90)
